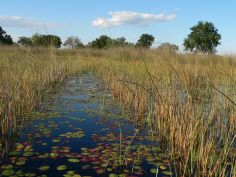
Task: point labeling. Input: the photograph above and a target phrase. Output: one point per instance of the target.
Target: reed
(25, 74)
(187, 100)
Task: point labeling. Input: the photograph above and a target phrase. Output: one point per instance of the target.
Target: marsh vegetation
(184, 103)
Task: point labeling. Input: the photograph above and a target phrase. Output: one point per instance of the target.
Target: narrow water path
(82, 131)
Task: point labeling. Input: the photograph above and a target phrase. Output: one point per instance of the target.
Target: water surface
(83, 131)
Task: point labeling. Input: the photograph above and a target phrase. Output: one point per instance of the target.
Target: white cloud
(132, 18)
(24, 22)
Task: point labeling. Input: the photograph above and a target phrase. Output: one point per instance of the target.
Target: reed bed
(25, 74)
(185, 101)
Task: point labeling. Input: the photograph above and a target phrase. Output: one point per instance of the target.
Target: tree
(25, 41)
(5, 38)
(170, 48)
(46, 40)
(204, 38)
(73, 42)
(119, 42)
(102, 42)
(145, 40)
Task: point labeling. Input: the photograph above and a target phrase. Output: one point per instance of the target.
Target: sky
(167, 20)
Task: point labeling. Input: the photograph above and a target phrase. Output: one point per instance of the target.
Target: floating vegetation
(8, 172)
(53, 155)
(72, 174)
(21, 162)
(76, 138)
(107, 158)
(85, 142)
(73, 160)
(78, 134)
(61, 167)
(44, 168)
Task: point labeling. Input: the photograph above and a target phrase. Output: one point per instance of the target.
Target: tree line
(203, 38)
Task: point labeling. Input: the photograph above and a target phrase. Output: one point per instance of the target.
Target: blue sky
(167, 20)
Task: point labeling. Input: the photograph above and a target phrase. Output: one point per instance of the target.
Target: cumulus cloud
(24, 22)
(132, 18)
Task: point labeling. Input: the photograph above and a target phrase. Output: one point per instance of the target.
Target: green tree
(5, 38)
(102, 42)
(204, 38)
(119, 42)
(170, 48)
(46, 40)
(25, 41)
(73, 42)
(145, 41)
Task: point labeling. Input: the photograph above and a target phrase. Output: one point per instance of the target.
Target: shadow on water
(83, 131)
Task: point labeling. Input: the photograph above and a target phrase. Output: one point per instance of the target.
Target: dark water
(82, 131)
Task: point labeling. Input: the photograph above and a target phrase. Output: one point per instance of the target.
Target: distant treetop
(73, 42)
(46, 40)
(204, 38)
(103, 41)
(145, 41)
(5, 38)
(168, 47)
(25, 41)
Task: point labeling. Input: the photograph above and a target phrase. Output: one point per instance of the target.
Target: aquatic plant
(187, 101)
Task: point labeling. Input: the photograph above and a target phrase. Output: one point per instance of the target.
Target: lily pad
(113, 175)
(73, 160)
(162, 167)
(20, 146)
(30, 174)
(44, 168)
(123, 175)
(67, 175)
(56, 140)
(71, 172)
(8, 172)
(7, 167)
(53, 155)
(154, 171)
(61, 167)
(21, 162)
(27, 154)
(14, 153)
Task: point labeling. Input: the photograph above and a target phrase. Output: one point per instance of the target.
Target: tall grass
(188, 100)
(24, 74)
